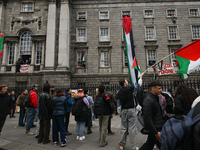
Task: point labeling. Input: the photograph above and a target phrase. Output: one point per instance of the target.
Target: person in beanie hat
(45, 114)
(59, 111)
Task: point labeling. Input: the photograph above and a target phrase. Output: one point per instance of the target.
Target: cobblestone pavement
(13, 137)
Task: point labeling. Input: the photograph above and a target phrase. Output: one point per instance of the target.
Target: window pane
(195, 32)
(174, 59)
(104, 34)
(170, 13)
(103, 15)
(173, 33)
(25, 43)
(27, 6)
(81, 35)
(150, 33)
(151, 57)
(82, 15)
(11, 53)
(81, 59)
(125, 59)
(38, 52)
(148, 13)
(126, 13)
(104, 59)
(193, 12)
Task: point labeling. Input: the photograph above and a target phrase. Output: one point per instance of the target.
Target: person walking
(153, 116)
(103, 119)
(113, 104)
(59, 105)
(91, 102)
(13, 107)
(32, 108)
(69, 105)
(84, 116)
(22, 112)
(45, 114)
(5, 106)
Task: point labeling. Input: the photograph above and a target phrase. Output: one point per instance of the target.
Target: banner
(166, 69)
(24, 68)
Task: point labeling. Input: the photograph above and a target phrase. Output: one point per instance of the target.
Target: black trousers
(44, 131)
(67, 121)
(12, 110)
(2, 121)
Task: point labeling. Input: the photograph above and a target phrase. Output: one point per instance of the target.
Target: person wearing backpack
(59, 112)
(81, 104)
(153, 116)
(31, 108)
(20, 101)
(103, 109)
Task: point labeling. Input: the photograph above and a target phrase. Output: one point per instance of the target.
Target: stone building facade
(76, 42)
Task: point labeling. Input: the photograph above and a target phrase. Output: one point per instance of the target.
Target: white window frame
(175, 13)
(11, 57)
(148, 10)
(26, 2)
(198, 14)
(106, 11)
(193, 33)
(103, 60)
(124, 11)
(77, 29)
(151, 59)
(79, 53)
(154, 32)
(178, 38)
(38, 51)
(77, 15)
(108, 34)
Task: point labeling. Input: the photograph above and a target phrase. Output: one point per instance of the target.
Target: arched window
(25, 44)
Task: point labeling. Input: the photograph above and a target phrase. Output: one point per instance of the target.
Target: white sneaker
(136, 148)
(77, 137)
(83, 137)
(55, 143)
(30, 133)
(63, 144)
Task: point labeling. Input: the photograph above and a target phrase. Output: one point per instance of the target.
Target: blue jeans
(90, 120)
(21, 116)
(30, 118)
(80, 125)
(59, 125)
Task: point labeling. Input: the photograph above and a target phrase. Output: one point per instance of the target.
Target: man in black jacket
(5, 105)
(45, 114)
(13, 107)
(153, 117)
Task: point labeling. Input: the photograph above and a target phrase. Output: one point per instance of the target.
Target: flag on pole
(188, 58)
(173, 18)
(134, 68)
(160, 64)
(154, 73)
(83, 59)
(1, 44)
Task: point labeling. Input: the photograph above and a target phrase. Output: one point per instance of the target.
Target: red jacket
(33, 99)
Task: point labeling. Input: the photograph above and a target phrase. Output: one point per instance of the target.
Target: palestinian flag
(154, 75)
(188, 58)
(1, 44)
(160, 64)
(134, 68)
(173, 18)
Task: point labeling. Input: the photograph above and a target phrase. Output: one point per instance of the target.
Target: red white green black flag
(134, 68)
(1, 44)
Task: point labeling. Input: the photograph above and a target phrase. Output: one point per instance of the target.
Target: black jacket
(126, 97)
(45, 106)
(59, 106)
(5, 105)
(14, 98)
(181, 106)
(152, 113)
(85, 110)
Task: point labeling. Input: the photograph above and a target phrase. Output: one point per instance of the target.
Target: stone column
(16, 54)
(64, 37)
(42, 61)
(4, 58)
(51, 36)
(2, 10)
(31, 67)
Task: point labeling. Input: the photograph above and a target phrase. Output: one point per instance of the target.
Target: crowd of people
(54, 107)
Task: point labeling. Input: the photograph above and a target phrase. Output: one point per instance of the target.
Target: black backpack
(27, 101)
(99, 106)
(77, 107)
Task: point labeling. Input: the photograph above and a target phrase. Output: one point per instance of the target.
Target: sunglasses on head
(80, 91)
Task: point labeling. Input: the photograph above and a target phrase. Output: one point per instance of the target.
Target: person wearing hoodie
(5, 106)
(45, 114)
(59, 112)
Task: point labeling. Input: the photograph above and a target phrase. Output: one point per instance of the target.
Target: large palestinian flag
(134, 68)
(188, 57)
(1, 44)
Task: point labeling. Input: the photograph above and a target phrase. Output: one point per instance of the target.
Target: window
(27, 6)
(105, 59)
(148, 13)
(126, 13)
(151, 57)
(81, 15)
(81, 59)
(38, 53)
(81, 85)
(125, 59)
(104, 35)
(11, 53)
(149, 33)
(81, 35)
(173, 33)
(25, 43)
(174, 59)
(171, 12)
(195, 32)
(194, 12)
(103, 15)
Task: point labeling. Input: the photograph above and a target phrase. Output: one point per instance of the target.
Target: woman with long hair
(184, 97)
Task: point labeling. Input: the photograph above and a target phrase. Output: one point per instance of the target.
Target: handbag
(141, 125)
